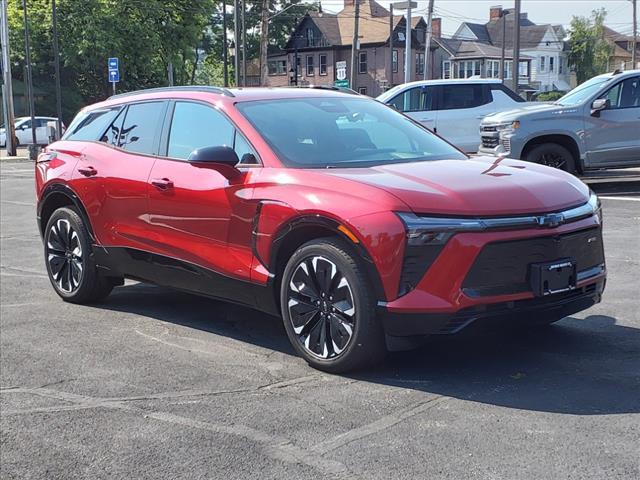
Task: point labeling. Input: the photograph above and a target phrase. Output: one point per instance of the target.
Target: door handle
(429, 120)
(162, 183)
(88, 171)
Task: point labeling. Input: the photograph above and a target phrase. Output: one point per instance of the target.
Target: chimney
(349, 3)
(436, 27)
(495, 13)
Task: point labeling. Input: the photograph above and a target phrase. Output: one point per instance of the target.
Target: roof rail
(187, 88)
(330, 87)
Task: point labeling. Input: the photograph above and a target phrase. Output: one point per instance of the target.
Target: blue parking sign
(114, 76)
(113, 63)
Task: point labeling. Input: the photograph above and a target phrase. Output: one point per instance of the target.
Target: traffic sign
(341, 83)
(341, 70)
(114, 64)
(114, 76)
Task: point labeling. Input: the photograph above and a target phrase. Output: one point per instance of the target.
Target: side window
(245, 153)
(462, 96)
(416, 99)
(625, 94)
(112, 133)
(140, 127)
(507, 91)
(195, 126)
(89, 126)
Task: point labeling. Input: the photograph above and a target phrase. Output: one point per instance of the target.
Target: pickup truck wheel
(552, 155)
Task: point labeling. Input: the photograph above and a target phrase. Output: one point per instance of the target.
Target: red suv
(361, 228)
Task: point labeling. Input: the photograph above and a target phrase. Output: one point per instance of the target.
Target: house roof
(463, 49)
(612, 36)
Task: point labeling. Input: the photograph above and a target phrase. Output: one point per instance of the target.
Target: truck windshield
(582, 92)
(329, 132)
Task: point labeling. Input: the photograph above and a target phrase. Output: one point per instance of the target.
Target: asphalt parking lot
(157, 384)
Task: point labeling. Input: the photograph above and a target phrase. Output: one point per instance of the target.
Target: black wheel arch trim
(57, 189)
(317, 220)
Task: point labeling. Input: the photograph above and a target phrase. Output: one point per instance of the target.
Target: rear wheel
(328, 308)
(70, 265)
(552, 155)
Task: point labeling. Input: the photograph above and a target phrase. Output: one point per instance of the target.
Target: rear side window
(90, 125)
(141, 127)
(462, 96)
(195, 126)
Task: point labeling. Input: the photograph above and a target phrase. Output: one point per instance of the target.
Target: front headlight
(508, 128)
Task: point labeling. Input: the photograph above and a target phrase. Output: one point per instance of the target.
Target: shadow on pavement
(581, 367)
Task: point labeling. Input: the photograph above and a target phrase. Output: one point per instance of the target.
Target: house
(477, 47)
(320, 40)
(622, 46)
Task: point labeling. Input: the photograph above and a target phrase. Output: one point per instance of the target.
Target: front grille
(488, 128)
(490, 142)
(502, 268)
(506, 144)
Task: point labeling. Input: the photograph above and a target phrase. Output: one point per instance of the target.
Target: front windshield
(583, 92)
(326, 132)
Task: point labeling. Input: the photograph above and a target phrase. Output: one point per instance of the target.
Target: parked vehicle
(24, 135)
(452, 108)
(595, 125)
(357, 225)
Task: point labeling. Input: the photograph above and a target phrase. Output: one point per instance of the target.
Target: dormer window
(310, 37)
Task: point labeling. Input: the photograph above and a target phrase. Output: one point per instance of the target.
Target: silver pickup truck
(596, 125)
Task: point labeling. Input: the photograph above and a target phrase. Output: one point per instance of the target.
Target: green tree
(588, 50)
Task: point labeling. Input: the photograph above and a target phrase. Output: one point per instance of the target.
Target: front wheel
(552, 155)
(328, 307)
(70, 265)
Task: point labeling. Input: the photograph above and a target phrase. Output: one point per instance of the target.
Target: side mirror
(598, 105)
(223, 159)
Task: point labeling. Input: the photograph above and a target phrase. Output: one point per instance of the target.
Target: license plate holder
(553, 277)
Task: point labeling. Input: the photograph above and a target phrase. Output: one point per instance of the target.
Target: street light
(407, 41)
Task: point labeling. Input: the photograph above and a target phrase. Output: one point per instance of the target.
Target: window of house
(310, 37)
(323, 64)
(195, 126)
(419, 63)
(543, 63)
(394, 61)
(493, 68)
(446, 69)
(362, 62)
(362, 90)
(560, 65)
(469, 68)
(277, 67)
(524, 69)
(508, 69)
(310, 65)
(140, 127)
(551, 62)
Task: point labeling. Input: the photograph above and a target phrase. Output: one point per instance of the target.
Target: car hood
(480, 186)
(532, 109)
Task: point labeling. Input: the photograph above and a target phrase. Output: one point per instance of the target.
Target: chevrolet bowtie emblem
(551, 220)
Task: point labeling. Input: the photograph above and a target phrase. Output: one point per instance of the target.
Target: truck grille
(490, 142)
(502, 268)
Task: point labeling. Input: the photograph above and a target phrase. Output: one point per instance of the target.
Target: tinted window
(625, 94)
(342, 131)
(416, 99)
(112, 132)
(195, 126)
(462, 96)
(90, 125)
(140, 127)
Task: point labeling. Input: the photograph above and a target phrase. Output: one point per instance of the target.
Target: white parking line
(627, 199)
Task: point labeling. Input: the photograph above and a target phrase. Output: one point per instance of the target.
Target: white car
(23, 130)
(453, 108)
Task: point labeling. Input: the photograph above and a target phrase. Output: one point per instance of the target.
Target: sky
(453, 12)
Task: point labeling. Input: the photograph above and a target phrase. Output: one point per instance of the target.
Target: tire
(328, 307)
(69, 259)
(552, 155)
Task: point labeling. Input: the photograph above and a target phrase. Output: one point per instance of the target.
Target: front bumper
(448, 297)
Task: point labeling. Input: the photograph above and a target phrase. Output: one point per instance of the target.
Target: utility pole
(225, 58)
(169, 76)
(354, 46)
(7, 87)
(503, 16)
(56, 63)
(27, 49)
(264, 43)
(391, 45)
(407, 48)
(244, 46)
(236, 40)
(427, 53)
(516, 46)
(634, 44)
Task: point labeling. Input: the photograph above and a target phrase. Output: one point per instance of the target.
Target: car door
(461, 106)
(112, 173)
(612, 135)
(417, 103)
(196, 213)
(23, 132)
